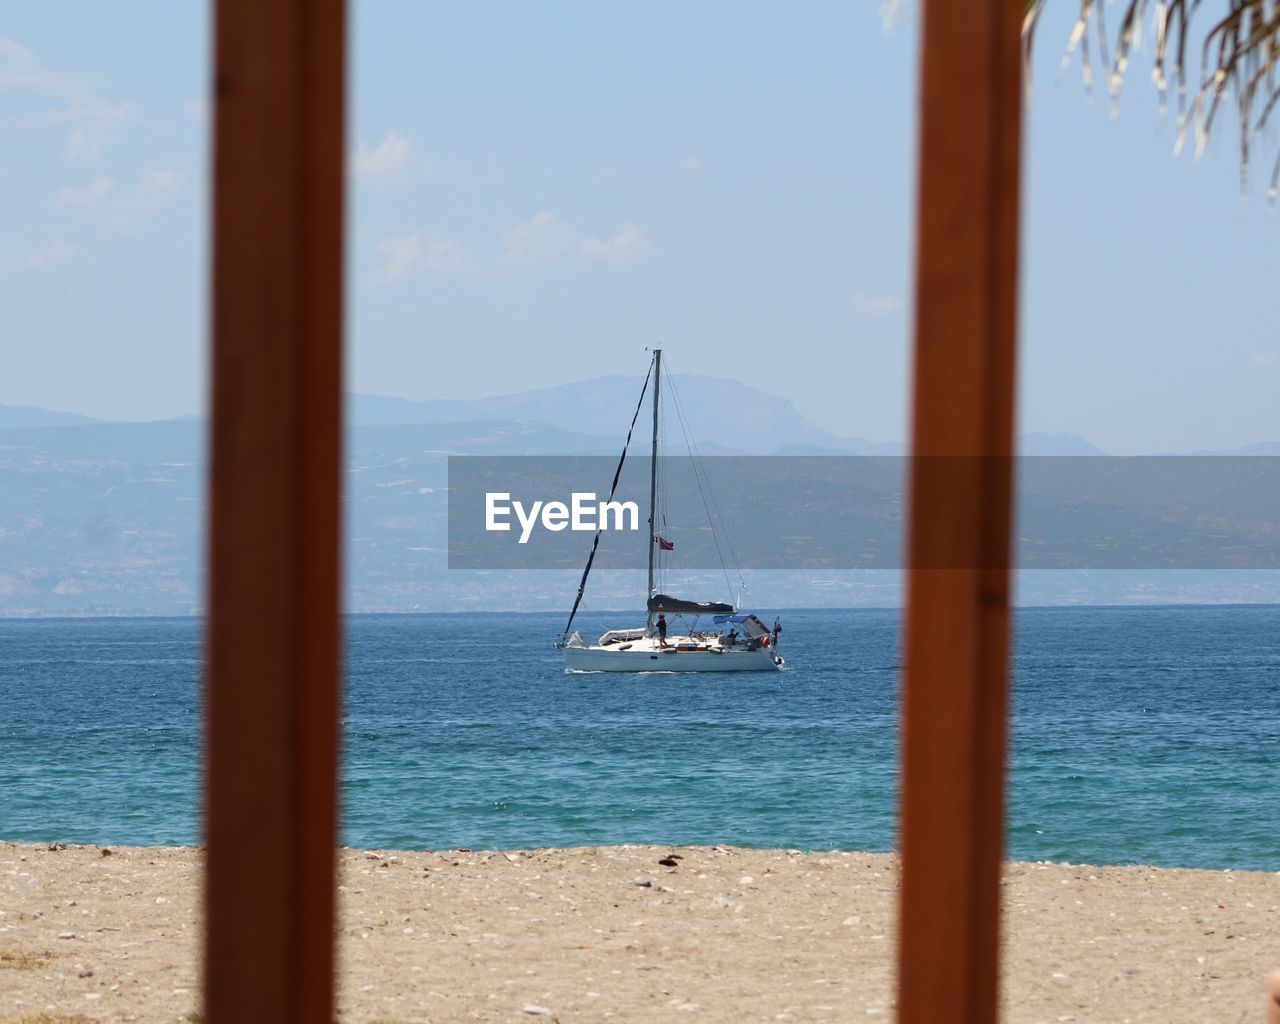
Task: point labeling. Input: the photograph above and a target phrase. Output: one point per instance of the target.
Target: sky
(539, 192)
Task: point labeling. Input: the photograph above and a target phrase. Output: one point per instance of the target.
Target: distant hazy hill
(107, 518)
(590, 416)
(1261, 448)
(31, 416)
(720, 413)
(1037, 443)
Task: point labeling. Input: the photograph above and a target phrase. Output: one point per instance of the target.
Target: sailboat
(743, 643)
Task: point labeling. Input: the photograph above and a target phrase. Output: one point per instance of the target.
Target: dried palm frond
(1239, 55)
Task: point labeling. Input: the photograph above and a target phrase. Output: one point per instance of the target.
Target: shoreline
(606, 932)
(492, 851)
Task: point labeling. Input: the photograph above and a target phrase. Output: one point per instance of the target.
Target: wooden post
(956, 642)
(273, 603)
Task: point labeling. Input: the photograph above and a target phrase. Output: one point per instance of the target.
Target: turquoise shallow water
(1140, 735)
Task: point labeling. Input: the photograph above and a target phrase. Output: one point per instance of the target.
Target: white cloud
(385, 160)
(616, 249)
(14, 54)
(159, 186)
(404, 256)
(542, 237)
(93, 123)
(876, 305)
(90, 121)
(99, 188)
(124, 210)
(1265, 359)
(49, 257)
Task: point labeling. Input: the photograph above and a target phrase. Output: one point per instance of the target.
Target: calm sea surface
(1140, 735)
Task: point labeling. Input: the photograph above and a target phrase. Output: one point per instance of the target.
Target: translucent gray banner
(848, 512)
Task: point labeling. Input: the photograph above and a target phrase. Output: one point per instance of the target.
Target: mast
(653, 487)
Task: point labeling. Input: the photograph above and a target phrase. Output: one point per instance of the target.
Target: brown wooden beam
(273, 604)
(956, 642)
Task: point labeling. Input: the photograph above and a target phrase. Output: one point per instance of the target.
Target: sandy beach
(610, 933)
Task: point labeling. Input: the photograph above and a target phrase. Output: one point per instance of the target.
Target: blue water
(1140, 735)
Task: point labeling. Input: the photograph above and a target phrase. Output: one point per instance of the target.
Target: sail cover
(673, 605)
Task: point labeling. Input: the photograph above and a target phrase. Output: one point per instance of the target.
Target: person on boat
(662, 630)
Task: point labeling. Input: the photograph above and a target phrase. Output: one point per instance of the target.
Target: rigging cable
(699, 473)
(660, 582)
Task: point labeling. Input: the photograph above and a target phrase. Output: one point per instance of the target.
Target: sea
(1139, 735)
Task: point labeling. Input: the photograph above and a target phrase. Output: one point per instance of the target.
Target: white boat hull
(644, 658)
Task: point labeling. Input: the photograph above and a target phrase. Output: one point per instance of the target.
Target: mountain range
(720, 415)
(15, 416)
(107, 517)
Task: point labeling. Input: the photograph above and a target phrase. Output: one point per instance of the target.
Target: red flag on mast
(664, 544)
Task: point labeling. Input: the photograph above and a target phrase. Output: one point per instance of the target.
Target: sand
(609, 934)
